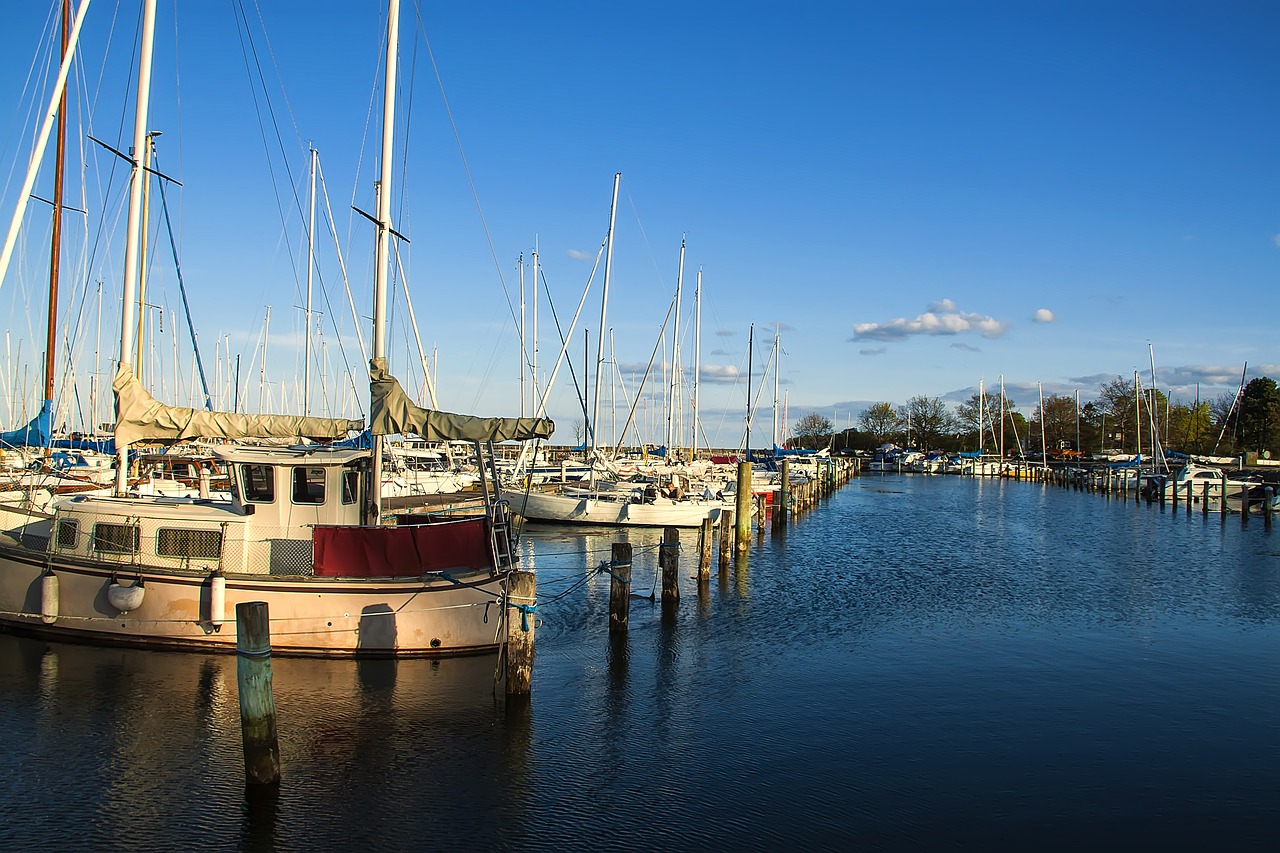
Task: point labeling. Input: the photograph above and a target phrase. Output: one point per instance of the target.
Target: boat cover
(140, 417)
(35, 434)
(391, 412)
(390, 552)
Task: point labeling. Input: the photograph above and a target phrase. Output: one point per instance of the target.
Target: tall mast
(697, 362)
(604, 306)
(534, 366)
(1044, 448)
(311, 262)
(384, 234)
(524, 368)
(147, 148)
(1002, 417)
(777, 431)
(982, 405)
(131, 250)
(673, 394)
(42, 139)
(55, 251)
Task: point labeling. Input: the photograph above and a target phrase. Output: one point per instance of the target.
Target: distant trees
(1260, 415)
(879, 420)
(928, 422)
(812, 431)
(1057, 421)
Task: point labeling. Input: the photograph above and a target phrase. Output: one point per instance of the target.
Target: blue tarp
(363, 441)
(36, 433)
(786, 451)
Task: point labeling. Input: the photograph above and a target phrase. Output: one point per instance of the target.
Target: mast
(524, 393)
(42, 139)
(1001, 417)
(674, 388)
(131, 250)
(1137, 413)
(751, 341)
(55, 250)
(982, 405)
(777, 431)
(534, 366)
(384, 237)
(147, 148)
(1044, 449)
(697, 362)
(311, 262)
(604, 304)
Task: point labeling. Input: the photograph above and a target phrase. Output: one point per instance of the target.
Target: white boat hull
(309, 616)
(585, 509)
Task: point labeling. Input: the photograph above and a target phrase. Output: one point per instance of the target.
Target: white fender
(48, 598)
(217, 599)
(126, 598)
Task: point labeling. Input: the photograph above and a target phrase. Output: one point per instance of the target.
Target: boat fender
(217, 599)
(126, 598)
(48, 598)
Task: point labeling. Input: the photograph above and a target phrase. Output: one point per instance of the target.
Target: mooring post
(1244, 505)
(1267, 497)
(1204, 501)
(704, 550)
(1222, 500)
(522, 597)
(743, 509)
(669, 561)
(257, 701)
(783, 495)
(620, 588)
(726, 539)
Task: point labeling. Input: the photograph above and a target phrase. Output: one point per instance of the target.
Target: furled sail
(393, 413)
(140, 417)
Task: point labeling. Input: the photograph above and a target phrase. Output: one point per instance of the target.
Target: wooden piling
(743, 509)
(726, 539)
(1267, 497)
(704, 550)
(783, 496)
(522, 595)
(620, 588)
(1204, 501)
(669, 562)
(1244, 505)
(257, 700)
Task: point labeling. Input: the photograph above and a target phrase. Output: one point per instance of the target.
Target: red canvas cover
(379, 552)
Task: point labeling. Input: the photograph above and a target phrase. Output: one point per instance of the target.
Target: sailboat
(609, 501)
(302, 530)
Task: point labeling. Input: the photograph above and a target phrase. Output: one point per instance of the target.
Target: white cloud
(966, 347)
(941, 318)
(727, 373)
(1043, 315)
(579, 255)
(1276, 240)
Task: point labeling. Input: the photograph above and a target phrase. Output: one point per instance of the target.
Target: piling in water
(257, 700)
(704, 550)
(522, 597)
(620, 588)
(669, 562)
(726, 539)
(743, 508)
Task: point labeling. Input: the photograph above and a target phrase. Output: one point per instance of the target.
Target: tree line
(1123, 417)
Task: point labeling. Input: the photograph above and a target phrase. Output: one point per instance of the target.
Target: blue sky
(918, 195)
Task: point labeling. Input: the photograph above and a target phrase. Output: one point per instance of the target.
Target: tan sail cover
(393, 413)
(140, 417)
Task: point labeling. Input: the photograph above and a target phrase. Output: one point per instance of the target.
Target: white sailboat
(301, 530)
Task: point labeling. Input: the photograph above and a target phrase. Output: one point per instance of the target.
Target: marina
(915, 662)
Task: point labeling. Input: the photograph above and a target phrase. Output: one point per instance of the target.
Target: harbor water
(918, 663)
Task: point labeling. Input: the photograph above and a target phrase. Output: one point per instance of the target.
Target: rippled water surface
(920, 662)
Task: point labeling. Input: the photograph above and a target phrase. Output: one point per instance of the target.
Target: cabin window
(67, 533)
(259, 483)
(350, 485)
(308, 485)
(195, 544)
(115, 538)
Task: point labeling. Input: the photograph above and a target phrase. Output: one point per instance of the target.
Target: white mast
(1001, 417)
(604, 305)
(262, 367)
(384, 235)
(136, 180)
(42, 140)
(674, 387)
(982, 405)
(524, 393)
(534, 366)
(777, 430)
(1044, 450)
(311, 262)
(697, 362)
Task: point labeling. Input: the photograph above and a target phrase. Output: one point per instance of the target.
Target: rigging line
(266, 96)
(475, 194)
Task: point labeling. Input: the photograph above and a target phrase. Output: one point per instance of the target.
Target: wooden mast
(55, 251)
